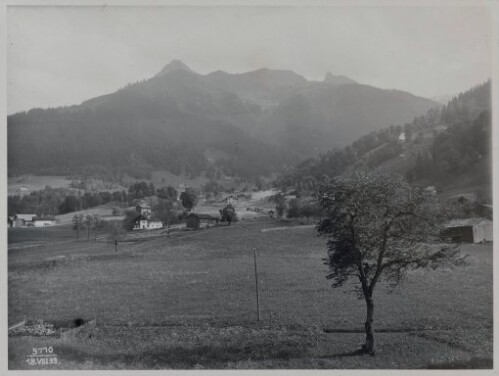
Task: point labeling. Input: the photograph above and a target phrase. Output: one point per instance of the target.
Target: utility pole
(256, 286)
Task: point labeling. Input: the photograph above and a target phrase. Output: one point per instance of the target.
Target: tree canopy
(228, 214)
(189, 198)
(280, 203)
(379, 227)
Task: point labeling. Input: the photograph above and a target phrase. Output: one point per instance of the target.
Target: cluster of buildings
(194, 221)
(30, 220)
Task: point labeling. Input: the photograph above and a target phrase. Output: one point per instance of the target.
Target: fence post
(256, 286)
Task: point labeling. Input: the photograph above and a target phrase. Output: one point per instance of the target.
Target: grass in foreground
(166, 302)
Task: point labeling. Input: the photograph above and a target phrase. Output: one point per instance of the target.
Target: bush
(130, 215)
(117, 211)
(228, 214)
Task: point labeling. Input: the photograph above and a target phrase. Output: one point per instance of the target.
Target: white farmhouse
(144, 221)
(231, 200)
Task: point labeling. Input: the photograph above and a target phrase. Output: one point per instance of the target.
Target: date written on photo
(42, 356)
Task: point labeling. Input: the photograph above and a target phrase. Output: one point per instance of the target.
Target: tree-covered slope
(447, 147)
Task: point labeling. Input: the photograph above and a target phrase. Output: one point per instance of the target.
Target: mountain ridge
(277, 118)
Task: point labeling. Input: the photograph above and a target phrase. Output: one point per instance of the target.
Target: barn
(471, 230)
(21, 220)
(197, 220)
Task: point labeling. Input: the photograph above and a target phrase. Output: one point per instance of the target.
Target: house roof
(144, 205)
(204, 216)
(467, 222)
(26, 217)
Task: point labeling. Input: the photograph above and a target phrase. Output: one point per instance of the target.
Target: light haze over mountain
(251, 124)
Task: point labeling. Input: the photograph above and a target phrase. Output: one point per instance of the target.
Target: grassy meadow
(187, 300)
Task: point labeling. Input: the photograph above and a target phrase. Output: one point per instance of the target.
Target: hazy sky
(64, 55)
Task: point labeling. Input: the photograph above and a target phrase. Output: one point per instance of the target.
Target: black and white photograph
(249, 186)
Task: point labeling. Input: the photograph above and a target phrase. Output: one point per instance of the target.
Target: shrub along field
(187, 300)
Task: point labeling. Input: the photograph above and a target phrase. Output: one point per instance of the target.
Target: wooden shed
(197, 220)
(471, 230)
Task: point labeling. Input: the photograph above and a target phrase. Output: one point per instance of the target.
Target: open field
(105, 210)
(40, 235)
(38, 182)
(187, 301)
(34, 183)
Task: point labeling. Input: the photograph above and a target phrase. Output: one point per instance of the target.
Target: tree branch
(379, 263)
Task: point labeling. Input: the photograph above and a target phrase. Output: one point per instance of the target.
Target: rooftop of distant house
(467, 222)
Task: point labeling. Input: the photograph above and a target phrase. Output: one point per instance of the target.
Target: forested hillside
(129, 137)
(246, 125)
(446, 147)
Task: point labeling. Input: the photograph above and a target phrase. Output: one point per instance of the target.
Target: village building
(471, 230)
(23, 191)
(143, 209)
(195, 221)
(402, 137)
(180, 190)
(144, 221)
(290, 194)
(441, 128)
(431, 189)
(43, 221)
(23, 220)
(231, 200)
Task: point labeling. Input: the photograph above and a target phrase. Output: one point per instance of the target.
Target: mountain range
(250, 124)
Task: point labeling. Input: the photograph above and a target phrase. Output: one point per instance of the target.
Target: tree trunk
(368, 347)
